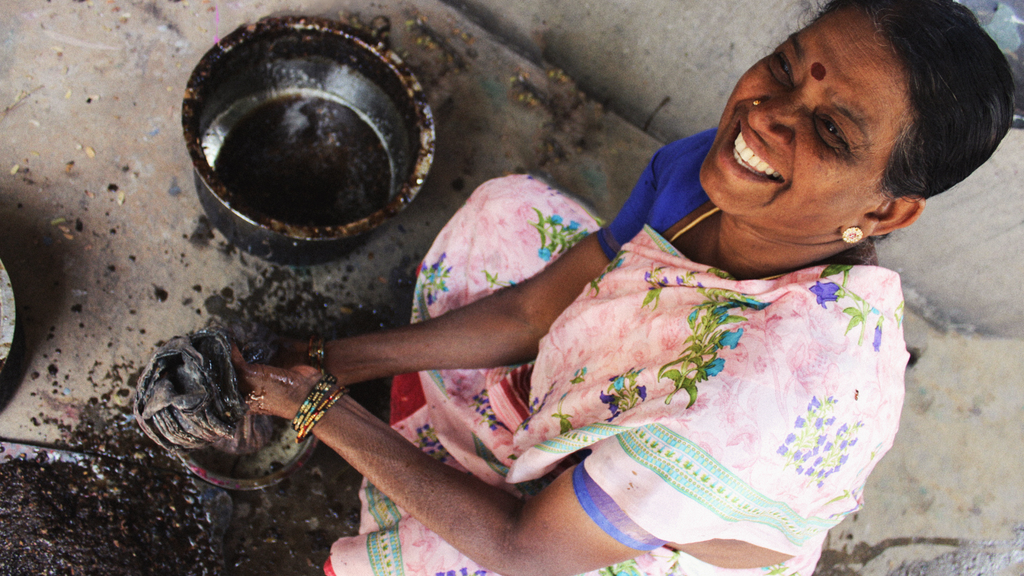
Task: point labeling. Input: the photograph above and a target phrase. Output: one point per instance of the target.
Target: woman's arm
(501, 329)
(548, 535)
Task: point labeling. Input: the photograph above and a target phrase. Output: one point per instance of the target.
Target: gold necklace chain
(696, 221)
(700, 219)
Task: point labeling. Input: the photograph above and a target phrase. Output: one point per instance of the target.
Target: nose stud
(756, 102)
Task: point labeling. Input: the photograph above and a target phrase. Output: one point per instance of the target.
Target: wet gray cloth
(188, 398)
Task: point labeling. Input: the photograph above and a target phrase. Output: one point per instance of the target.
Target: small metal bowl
(304, 134)
(280, 458)
(12, 342)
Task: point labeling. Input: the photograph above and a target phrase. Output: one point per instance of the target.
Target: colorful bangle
(313, 399)
(315, 405)
(318, 413)
(315, 352)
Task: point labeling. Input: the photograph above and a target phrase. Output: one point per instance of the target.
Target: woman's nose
(774, 117)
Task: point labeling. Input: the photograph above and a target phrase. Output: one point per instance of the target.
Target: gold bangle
(315, 352)
(313, 400)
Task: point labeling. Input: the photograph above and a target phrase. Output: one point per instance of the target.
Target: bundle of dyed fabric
(188, 398)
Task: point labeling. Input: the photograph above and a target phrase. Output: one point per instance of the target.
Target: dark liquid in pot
(305, 161)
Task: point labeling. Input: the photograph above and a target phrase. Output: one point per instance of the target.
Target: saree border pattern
(384, 547)
(690, 470)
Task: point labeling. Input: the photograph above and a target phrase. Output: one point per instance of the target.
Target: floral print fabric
(713, 408)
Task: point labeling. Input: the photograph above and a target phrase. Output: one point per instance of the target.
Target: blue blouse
(667, 191)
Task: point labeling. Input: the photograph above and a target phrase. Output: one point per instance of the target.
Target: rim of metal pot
(7, 316)
(378, 47)
(241, 484)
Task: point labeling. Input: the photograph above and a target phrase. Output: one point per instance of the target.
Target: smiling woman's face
(807, 161)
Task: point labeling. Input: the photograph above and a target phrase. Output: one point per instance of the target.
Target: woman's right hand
(501, 329)
(290, 352)
(273, 390)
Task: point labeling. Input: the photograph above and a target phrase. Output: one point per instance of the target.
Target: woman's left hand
(272, 390)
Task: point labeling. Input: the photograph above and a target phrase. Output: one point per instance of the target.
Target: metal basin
(280, 458)
(12, 343)
(305, 134)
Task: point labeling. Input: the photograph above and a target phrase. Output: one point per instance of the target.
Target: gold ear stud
(852, 235)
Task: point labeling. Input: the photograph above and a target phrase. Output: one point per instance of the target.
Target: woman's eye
(832, 135)
(781, 69)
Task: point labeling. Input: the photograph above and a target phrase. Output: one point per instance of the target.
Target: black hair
(960, 88)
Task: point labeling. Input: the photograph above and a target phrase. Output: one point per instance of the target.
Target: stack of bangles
(321, 397)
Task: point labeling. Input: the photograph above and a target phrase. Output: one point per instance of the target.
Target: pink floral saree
(707, 407)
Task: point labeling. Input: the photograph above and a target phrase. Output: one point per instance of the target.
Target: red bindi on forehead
(818, 71)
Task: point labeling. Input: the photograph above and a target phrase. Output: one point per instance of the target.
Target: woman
(714, 374)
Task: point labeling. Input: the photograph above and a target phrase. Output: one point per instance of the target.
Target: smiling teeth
(746, 157)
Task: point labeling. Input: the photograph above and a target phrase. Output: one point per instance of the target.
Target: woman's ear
(895, 214)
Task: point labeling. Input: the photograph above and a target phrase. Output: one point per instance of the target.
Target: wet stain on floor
(951, 557)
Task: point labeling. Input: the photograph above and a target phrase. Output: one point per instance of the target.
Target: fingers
(273, 390)
(262, 373)
(290, 353)
(236, 357)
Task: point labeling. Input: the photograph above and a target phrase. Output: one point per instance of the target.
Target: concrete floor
(110, 253)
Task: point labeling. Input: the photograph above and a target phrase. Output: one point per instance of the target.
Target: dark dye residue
(305, 161)
(160, 293)
(107, 518)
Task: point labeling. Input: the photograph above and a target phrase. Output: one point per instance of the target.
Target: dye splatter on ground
(102, 518)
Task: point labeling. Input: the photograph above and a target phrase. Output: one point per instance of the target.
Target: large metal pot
(304, 134)
(12, 343)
